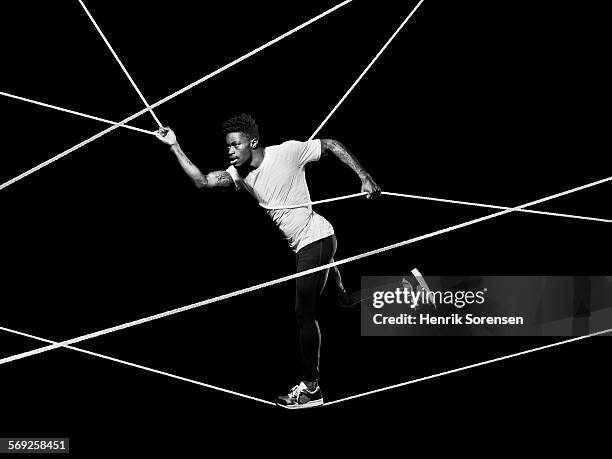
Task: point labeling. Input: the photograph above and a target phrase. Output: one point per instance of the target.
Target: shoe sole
(311, 404)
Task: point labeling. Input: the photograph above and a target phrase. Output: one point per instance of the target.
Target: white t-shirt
(280, 181)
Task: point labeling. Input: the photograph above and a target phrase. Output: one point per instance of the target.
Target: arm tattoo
(219, 179)
(343, 155)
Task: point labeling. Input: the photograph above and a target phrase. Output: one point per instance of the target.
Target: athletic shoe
(301, 397)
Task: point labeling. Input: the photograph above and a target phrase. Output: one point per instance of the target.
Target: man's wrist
(364, 176)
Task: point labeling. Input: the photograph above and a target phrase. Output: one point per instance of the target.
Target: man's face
(239, 148)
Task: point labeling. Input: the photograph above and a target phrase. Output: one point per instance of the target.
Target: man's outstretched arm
(220, 179)
(340, 151)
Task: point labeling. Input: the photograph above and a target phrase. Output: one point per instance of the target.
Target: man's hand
(166, 135)
(369, 186)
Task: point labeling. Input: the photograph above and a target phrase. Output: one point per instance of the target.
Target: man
(274, 175)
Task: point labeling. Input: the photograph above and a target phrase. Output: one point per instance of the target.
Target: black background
(495, 102)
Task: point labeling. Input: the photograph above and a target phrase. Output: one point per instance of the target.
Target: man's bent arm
(367, 183)
(340, 151)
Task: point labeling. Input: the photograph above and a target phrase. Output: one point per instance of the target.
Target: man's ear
(254, 142)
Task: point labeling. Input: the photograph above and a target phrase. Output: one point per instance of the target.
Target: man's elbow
(200, 182)
(327, 146)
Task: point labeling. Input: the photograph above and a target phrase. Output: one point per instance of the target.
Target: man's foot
(301, 397)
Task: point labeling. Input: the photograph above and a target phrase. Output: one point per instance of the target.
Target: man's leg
(307, 289)
(342, 298)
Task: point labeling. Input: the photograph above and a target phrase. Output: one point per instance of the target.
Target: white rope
(365, 71)
(308, 204)
(120, 63)
(467, 367)
(84, 115)
(141, 367)
(64, 153)
(171, 96)
(296, 275)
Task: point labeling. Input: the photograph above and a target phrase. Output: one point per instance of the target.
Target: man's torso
(279, 181)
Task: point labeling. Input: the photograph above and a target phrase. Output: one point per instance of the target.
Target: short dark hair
(241, 123)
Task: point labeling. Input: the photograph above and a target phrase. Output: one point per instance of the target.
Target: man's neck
(257, 157)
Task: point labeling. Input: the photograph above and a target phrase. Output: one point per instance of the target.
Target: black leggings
(307, 288)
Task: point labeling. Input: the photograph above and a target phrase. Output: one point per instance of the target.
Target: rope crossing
(447, 201)
(135, 365)
(120, 64)
(73, 112)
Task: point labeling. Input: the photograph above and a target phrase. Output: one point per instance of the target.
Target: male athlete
(274, 175)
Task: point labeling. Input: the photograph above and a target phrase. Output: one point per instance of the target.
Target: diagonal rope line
(382, 50)
(120, 63)
(173, 95)
(467, 367)
(296, 275)
(307, 204)
(492, 206)
(141, 367)
(73, 112)
(447, 201)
